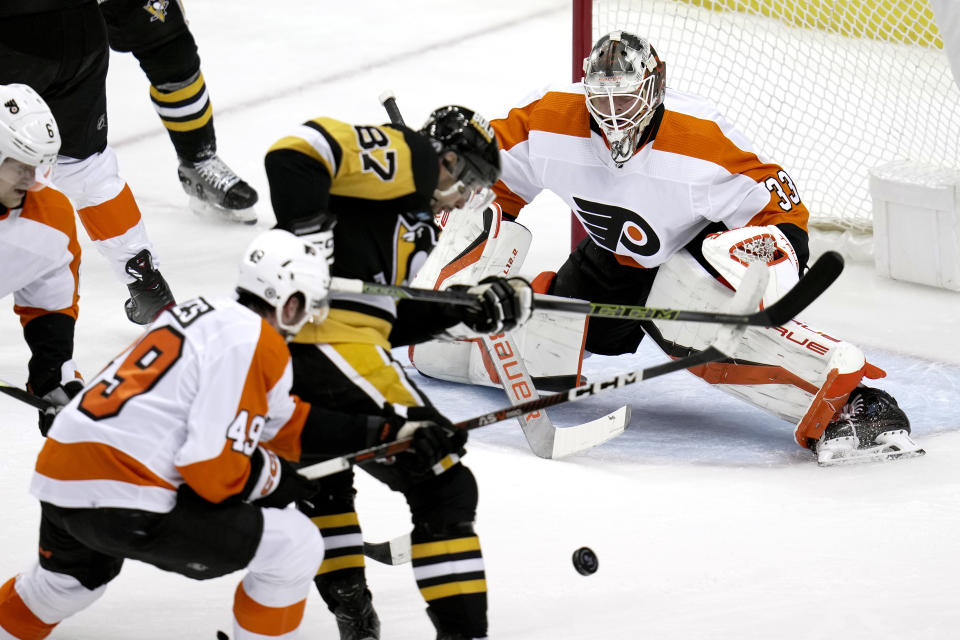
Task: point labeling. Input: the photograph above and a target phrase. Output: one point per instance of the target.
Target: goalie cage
(830, 90)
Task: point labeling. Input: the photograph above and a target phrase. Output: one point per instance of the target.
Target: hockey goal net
(827, 88)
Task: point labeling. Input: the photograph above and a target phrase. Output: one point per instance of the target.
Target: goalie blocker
(794, 371)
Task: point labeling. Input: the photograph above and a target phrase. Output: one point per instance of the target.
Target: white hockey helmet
(28, 132)
(624, 82)
(278, 265)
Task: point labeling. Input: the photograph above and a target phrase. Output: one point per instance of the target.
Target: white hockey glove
(502, 304)
(318, 231)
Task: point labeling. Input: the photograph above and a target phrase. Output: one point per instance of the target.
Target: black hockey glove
(58, 397)
(433, 437)
(318, 231)
(502, 304)
(273, 481)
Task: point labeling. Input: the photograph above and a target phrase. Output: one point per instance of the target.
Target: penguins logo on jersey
(611, 226)
(157, 10)
(413, 242)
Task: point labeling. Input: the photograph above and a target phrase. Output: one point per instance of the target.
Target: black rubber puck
(585, 561)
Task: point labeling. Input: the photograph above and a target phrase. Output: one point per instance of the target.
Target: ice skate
(356, 617)
(870, 428)
(213, 187)
(149, 294)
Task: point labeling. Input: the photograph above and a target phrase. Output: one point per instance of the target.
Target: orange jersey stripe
(52, 208)
(17, 619)
(698, 138)
(225, 475)
(555, 112)
(112, 218)
(71, 461)
(286, 443)
(267, 621)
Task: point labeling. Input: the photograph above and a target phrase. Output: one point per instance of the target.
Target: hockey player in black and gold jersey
(369, 195)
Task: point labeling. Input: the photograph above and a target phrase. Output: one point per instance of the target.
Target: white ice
(708, 520)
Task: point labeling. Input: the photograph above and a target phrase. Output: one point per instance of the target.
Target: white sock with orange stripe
(34, 602)
(270, 600)
(106, 207)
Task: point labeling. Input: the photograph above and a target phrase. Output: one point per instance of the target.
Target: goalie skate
(871, 427)
(214, 188)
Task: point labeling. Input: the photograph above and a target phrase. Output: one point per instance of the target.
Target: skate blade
(860, 456)
(243, 216)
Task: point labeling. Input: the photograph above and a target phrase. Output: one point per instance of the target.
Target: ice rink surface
(708, 520)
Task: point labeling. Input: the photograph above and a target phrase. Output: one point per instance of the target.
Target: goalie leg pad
(795, 372)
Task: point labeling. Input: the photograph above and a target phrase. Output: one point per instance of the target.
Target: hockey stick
(388, 449)
(396, 551)
(545, 439)
(389, 102)
(24, 396)
(821, 275)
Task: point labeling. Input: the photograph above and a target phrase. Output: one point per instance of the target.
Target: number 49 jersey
(189, 401)
(694, 168)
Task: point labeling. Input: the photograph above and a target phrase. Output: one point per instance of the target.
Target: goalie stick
(820, 275)
(544, 438)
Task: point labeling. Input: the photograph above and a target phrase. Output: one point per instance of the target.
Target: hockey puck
(585, 561)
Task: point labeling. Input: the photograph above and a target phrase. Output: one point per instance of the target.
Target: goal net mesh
(827, 88)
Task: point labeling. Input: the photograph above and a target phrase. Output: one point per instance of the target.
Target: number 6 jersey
(189, 401)
(693, 168)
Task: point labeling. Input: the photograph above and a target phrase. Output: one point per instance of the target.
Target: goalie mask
(277, 266)
(28, 132)
(471, 138)
(624, 82)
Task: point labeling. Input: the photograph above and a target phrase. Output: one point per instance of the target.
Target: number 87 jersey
(189, 401)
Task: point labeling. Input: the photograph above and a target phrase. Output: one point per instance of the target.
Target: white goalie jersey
(697, 169)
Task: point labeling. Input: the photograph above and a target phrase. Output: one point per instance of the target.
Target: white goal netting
(827, 88)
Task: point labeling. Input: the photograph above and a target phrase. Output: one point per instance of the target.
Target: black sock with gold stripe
(448, 567)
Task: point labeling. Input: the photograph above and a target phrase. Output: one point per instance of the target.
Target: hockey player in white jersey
(39, 252)
(175, 455)
(676, 202)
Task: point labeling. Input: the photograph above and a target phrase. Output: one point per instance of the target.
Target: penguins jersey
(378, 181)
(189, 401)
(693, 169)
(40, 255)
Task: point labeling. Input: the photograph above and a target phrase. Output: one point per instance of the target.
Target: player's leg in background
(158, 36)
(447, 557)
(323, 377)
(64, 56)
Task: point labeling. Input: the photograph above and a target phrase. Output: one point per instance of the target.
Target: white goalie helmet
(28, 131)
(624, 81)
(278, 265)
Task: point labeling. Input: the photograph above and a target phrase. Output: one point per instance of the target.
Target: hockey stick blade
(24, 396)
(392, 552)
(818, 278)
(341, 463)
(543, 437)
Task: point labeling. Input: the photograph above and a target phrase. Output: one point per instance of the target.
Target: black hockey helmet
(470, 136)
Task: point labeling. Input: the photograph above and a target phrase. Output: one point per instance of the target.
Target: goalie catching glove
(502, 304)
(433, 437)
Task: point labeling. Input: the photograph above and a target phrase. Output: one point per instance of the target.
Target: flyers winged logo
(611, 226)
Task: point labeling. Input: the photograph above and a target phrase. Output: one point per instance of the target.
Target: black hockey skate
(149, 294)
(214, 187)
(870, 427)
(356, 617)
